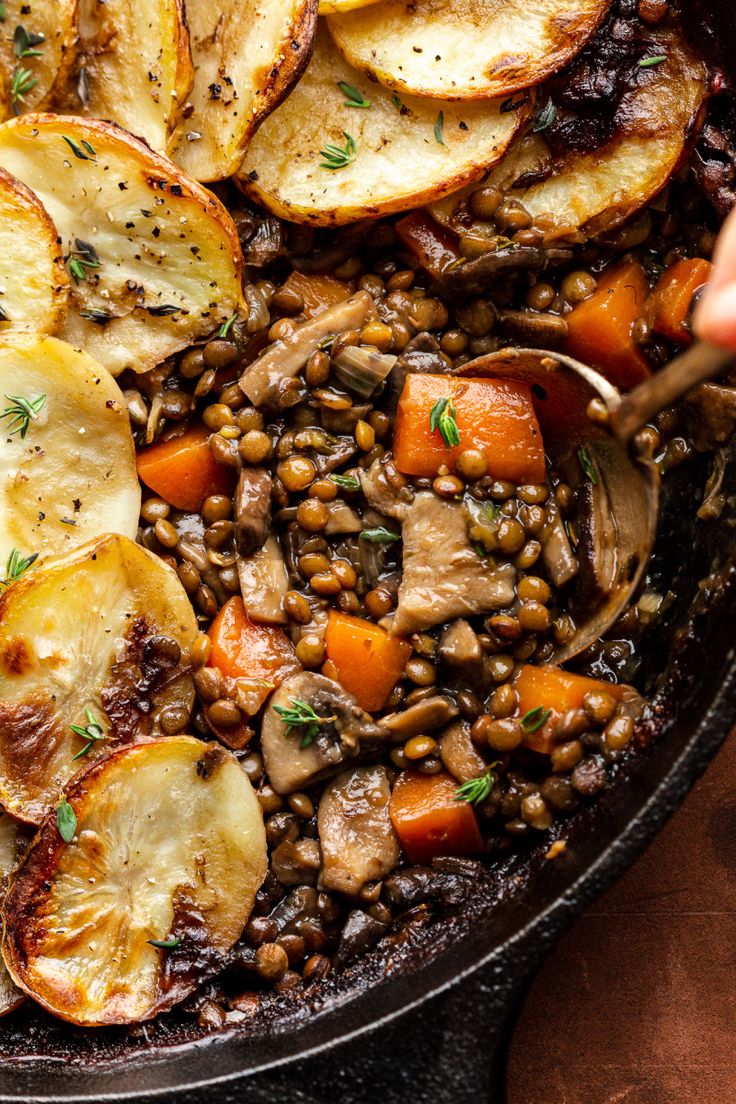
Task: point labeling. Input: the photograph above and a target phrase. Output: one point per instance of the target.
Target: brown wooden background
(637, 1004)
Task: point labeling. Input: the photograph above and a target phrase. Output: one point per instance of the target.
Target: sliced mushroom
(459, 754)
(618, 496)
(296, 757)
(473, 277)
(460, 647)
(358, 841)
(252, 509)
(424, 716)
(264, 581)
(342, 519)
(286, 357)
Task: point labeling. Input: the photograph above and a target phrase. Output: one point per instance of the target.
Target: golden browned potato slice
(33, 280)
(247, 56)
(583, 194)
(317, 160)
(329, 7)
(156, 257)
(465, 49)
(10, 852)
(99, 637)
(133, 66)
(166, 846)
(36, 59)
(67, 463)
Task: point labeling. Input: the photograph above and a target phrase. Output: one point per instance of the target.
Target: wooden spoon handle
(700, 362)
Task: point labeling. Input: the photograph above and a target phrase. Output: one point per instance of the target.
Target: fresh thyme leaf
(3, 13)
(380, 535)
(86, 154)
(83, 86)
(166, 944)
(301, 715)
(396, 101)
(353, 98)
(163, 311)
(92, 733)
(16, 565)
(586, 463)
(21, 82)
(442, 421)
(476, 789)
(649, 62)
(89, 148)
(100, 317)
(326, 342)
(545, 117)
(22, 412)
(224, 329)
(349, 482)
(80, 259)
(439, 126)
(66, 820)
(337, 157)
(535, 719)
(25, 41)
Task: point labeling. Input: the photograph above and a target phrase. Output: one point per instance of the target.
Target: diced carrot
(364, 659)
(669, 305)
(600, 330)
(184, 471)
(494, 416)
(318, 292)
(433, 245)
(242, 649)
(551, 688)
(429, 821)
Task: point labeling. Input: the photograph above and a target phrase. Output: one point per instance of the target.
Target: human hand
(715, 317)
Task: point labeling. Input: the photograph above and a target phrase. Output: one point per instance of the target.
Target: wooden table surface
(637, 1004)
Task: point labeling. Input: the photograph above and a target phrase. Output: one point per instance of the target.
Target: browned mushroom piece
(264, 581)
(618, 495)
(459, 754)
(252, 509)
(358, 841)
(297, 756)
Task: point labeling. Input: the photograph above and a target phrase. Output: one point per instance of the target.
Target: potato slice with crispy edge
(106, 628)
(405, 152)
(33, 280)
(247, 55)
(329, 7)
(133, 66)
(465, 49)
(169, 846)
(160, 255)
(12, 846)
(584, 194)
(73, 474)
(47, 63)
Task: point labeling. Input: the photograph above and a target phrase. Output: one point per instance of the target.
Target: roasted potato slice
(37, 58)
(33, 280)
(11, 848)
(247, 56)
(168, 846)
(98, 637)
(465, 49)
(394, 156)
(68, 460)
(133, 65)
(584, 194)
(329, 7)
(158, 260)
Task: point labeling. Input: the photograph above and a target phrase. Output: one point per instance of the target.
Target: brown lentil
(310, 650)
(419, 746)
(272, 961)
(297, 608)
(420, 671)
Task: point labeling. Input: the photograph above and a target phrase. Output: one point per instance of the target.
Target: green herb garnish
(325, 343)
(17, 565)
(348, 482)
(545, 117)
(649, 62)
(3, 13)
(396, 101)
(82, 258)
(21, 82)
(442, 421)
(91, 733)
(24, 43)
(301, 715)
(224, 329)
(66, 820)
(22, 412)
(85, 152)
(535, 719)
(337, 157)
(165, 944)
(380, 535)
(586, 463)
(476, 789)
(511, 104)
(353, 98)
(439, 126)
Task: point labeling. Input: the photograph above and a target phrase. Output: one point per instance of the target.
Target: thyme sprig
(442, 421)
(17, 565)
(302, 715)
(347, 482)
(22, 412)
(478, 789)
(82, 258)
(21, 83)
(337, 157)
(91, 733)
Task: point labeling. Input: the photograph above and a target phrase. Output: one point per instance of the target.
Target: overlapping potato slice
(33, 280)
(37, 58)
(396, 154)
(583, 194)
(10, 852)
(103, 633)
(133, 66)
(328, 7)
(169, 846)
(160, 258)
(67, 462)
(247, 55)
(465, 49)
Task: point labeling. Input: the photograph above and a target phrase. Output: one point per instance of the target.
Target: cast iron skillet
(427, 1018)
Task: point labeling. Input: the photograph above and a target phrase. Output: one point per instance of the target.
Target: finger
(715, 316)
